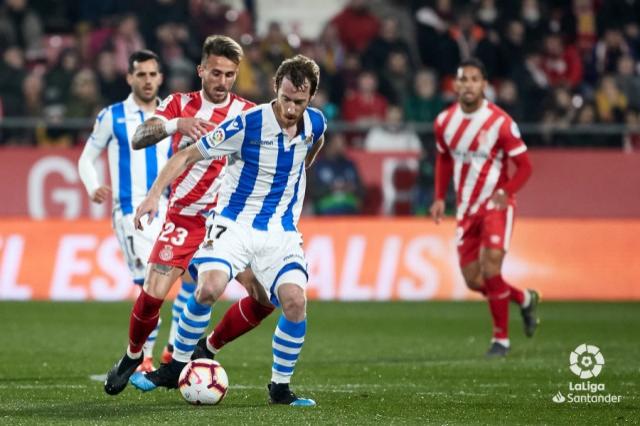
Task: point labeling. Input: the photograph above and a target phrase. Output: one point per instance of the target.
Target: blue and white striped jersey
(132, 171)
(264, 183)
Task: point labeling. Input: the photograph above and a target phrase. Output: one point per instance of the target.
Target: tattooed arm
(149, 133)
(154, 130)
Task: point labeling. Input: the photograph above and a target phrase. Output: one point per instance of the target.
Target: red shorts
(488, 229)
(179, 240)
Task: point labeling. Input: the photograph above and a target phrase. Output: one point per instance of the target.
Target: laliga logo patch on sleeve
(515, 131)
(217, 136)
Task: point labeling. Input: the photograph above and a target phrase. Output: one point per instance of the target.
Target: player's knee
(211, 285)
(475, 283)
(293, 302)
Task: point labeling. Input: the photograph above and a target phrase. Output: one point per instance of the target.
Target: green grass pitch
(364, 363)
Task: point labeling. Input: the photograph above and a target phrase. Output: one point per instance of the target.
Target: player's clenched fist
(149, 206)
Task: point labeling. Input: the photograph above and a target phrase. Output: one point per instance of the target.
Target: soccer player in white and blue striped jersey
(132, 172)
(256, 221)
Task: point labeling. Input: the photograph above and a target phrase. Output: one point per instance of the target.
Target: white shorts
(136, 245)
(276, 257)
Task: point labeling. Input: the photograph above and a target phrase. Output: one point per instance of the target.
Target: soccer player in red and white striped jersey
(186, 117)
(476, 140)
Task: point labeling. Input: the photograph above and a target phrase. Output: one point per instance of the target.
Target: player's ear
(200, 70)
(129, 79)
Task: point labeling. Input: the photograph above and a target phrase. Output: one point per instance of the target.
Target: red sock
(515, 294)
(498, 294)
(241, 317)
(144, 318)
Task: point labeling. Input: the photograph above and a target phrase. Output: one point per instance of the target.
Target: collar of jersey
(214, 105)
(474, 113)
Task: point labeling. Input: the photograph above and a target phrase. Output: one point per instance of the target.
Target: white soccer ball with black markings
(203, 381)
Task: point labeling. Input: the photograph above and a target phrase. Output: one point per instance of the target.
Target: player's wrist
(171, 126)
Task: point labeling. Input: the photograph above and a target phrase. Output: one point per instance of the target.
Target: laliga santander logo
(586, 361)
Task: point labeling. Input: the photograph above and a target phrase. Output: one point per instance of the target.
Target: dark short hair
(475, 63)
(298, 70)
(220, 45)
(142, 56)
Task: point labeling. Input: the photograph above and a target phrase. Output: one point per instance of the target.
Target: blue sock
(287, 344)
(186, 290)
(193, 323)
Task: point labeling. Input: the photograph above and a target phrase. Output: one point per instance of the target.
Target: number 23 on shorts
(179, 237)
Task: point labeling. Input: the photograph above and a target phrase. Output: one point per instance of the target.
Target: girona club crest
(166, 253)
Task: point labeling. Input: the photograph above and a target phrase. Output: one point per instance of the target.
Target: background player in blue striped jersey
(132, 172)
(256, 220)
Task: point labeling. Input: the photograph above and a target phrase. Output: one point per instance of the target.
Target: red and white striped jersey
(195, 190)
(480, 144)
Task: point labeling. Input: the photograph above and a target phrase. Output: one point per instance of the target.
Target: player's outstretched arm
(174, 167)
(311, 155)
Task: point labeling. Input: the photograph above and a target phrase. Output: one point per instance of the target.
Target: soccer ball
(203, 381)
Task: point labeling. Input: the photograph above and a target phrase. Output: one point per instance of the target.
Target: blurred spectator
(58, 80)
(330, 50)
(586, 116)
(356, 25)
(431, 26)
(532, 17)
(53, 134)
(512, 48)
(113, 87)
(470, 39)
(559, 114)
(384, 44)
(425, 183)
(335, 187)
(254, 75)
(12, 74)
(275, 47)
(21, 26)
(628, 80)
(532, 85)
(365, 105)
(632, 35)
(610, 101)
(84, 100)
(631, 142)
(396, 78)
(488, 15)
(346, 79)
(126, 40)
(508, 100)
(609, 49)
(393, 135)
(424, 103)
(586, 30)
(322, 102)
(217, 17)
(33, 90)
(561, 63)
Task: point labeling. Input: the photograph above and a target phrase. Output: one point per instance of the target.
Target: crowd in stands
(558, 63)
